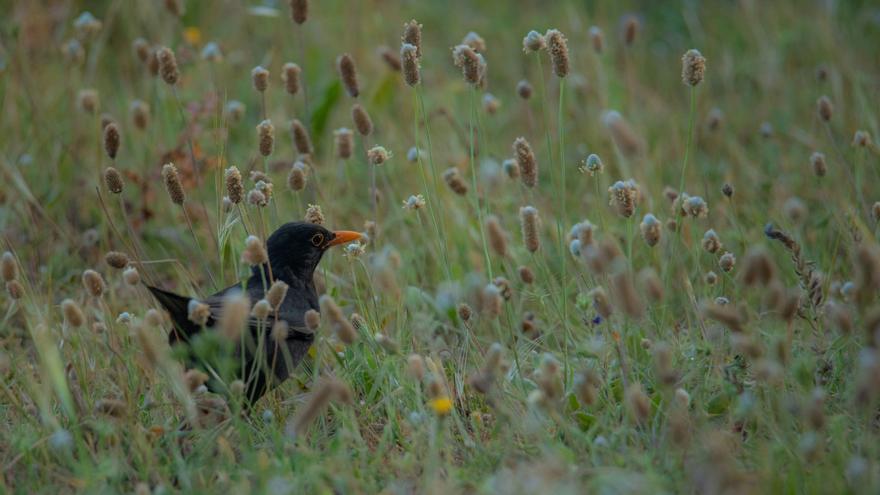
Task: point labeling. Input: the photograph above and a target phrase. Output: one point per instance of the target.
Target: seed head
(525, 159)
(727, 190)
(377, 155)
(8, 267)
(254, 253)
(93, 283)
(714, 119)
(313, 320)
(727, 262)
(414, 202)
(694, 206)
(651, 284)
(362, 121)
(651, 230)
(597, 39)
(511, 168)
(817, 161)
(141, 49)
(15, 289)
(344, 141)
(711, 242)
(348, 74)
(593, 164)
(526, 274)
(557, 46)
(290, 75)
(455, 181)
(299, 11)
(235, 110)
(625, 295)
(600, 302)
(296, 179)
(624, 197)
(693, 67)
(212, 52)
(174, 7)
(87, 100)
(198, 312)
(470, 63)
(261, 310)
(824, 108)
(277, 293)
(391, 59)
(631, 28)
(167, 65)
(266, 133)
(73, 52)
(409, 56)
(113, 180)
(637, 403)
(260, 78)
(342, 327)
(233, 319)
(524, 89)
(758, 267)
(491, 300)
(117, 260)
(528, 216)
(111, 140)
(491, 104)
(412, 35)
(314, 215)
(534, 42)
(172, 184)
(73, 315)
(131, 276)
(862, 139)
(875, 211)
(234, 185)
(301, 137)
(622, 134)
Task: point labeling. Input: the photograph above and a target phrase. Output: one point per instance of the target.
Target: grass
(727, 386)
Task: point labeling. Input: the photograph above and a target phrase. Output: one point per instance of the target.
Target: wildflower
(441, 406)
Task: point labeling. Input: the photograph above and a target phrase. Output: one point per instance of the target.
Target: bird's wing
(295, 322)
(178, 308)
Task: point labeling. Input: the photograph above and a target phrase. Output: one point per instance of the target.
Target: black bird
(294, 251)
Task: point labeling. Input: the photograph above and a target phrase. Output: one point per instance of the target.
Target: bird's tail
(178, 308)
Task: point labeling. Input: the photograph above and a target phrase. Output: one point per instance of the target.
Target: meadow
(608, 247)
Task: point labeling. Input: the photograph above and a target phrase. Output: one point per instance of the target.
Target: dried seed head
(727, 190)
(600, 302)
(491, 300)
(314, 215)
(625, 295)
(290, 74)
(597, 39)
(362, 121)
(131, 276)
(348, 74)
(631, 27)
(296, 179)
(8, 267)
(497, 236)
(694, 206)
(474, 41)
(141, 49)
(174, 7)
(172, 184)
(455, 181)
(624, 196)
(795, 210)
(491, 104)
(534, 42)
(167, 65)
(862, 139)
(313, 320)
(377, 155)
(261, 310)
(234, 185)
(824, 108)
(113, 180)
(622, 134)
(255, 197)
(342, 327)
(93, 283)
(140, 114)
(153, 318)
(711, 278)
(409, 57)
(111, 140)
(727, 262)
(711, 242)
(593, 164)
(557, 46)
(344, 141)
(526, 274)
(234, 317)
(299, 11)
(260, 78)
(254, 253)
(116, 259)
(525, 159)
(637, 403)
(511, 168)
(415, 366)
(758, 267)
(87, 100)
(524, 89)
(198, 312)
(817, 161)
(651, 284)
(464, 312)
(266, 133)
(15, 289)
(212, 52)
(714, 119)
(153, 63)
(693, 67)
(391, 59)
(194, 379)
(301, 137)
(412, 35)
(470, 63)
(528, 216)
(651, 230)
(277, 293)
(235, 110)
(414, 202)
(73, 315)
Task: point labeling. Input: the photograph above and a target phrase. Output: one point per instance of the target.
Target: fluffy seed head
(172, 184)
(87, 100)
(624, 137)
(557, 45)
(534, 42)
(377, 155)
(651, 230)
(875, 211)
(15, 289)
(861, 138)
(817, 161)
(167, 65)
(140, 114)
(597, 39)
(212, 53)
(726, 262)
(824, 108)
(233, 319)
(73, 315)
(299, 11)
(198, 312)
(234, 185)
(526, 274)
(758, 267)
(344, 143)
(497, 236)
(290, 75)
(600, 301)
(524, 89)
(342, 327)
(637, 403)
(348, 74)
(511, 168)
(362, 121)
(651, 284)
(525, 159)
(301, 137)
(314, 215)
(491, 300)
(409, 56)
(131, 276)
(261, 310)
(113, 180)
(296, 179)
(625, 295)
(528, 216)
(8, 267)
(254, 251)
(630, 29)
(593, 164)
(412, 35)
(235, 110)
(260, 78)
(624, 197)
(693, 67)
(277, 293)
(464, 312)
(116, 259)
(469, 62)
(414, 202)
(141, 49)
(711, 242)
(455, 181)
(391, 59)
(266, 134)
(415, 366)
(93, 282)
(312, 320)
(111, 140)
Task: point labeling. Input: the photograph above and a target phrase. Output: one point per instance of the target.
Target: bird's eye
(317, 239)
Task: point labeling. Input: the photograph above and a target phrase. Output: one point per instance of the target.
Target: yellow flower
(192, 35)
(441, 405)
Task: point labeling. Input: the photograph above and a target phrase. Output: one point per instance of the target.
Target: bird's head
(297, 247)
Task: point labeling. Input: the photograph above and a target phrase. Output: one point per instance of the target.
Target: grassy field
(596, 261)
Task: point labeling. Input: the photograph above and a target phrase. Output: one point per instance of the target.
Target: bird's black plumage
(294, 251)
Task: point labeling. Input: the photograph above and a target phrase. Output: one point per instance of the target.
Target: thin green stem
(473, 167)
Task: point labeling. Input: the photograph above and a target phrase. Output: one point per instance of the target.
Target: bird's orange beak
(344, 237)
